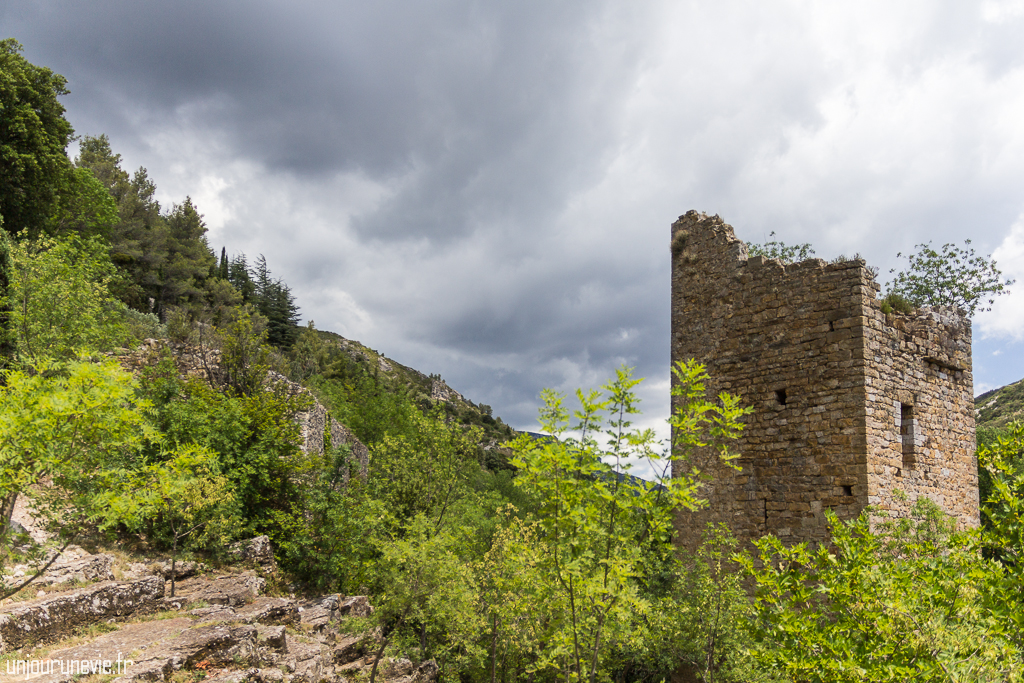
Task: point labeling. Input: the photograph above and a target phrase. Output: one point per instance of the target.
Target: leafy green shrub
(911, 600)
(144, 325)
(785, 253)
(60, 298)
(896, 302)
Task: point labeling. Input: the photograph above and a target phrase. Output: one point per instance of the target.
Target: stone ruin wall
(920, 412)
(807, 347)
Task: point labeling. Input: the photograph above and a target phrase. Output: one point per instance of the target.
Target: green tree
(911, 600)
(953, 276)
(184, 492)
(274, 301)
(8, 344)
(63, 427)
(244, 352)
(595, 525)
(60, 298)
(1001, 459)
(84, 206)
(183, 274)
(697, 619)
(139, 238)
(34, 135)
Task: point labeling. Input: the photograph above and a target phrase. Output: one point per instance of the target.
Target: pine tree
(222, 270)
(238, 275)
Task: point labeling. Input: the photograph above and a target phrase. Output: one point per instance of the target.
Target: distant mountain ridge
(994, 409)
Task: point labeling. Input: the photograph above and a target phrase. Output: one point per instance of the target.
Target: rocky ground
(219, 626)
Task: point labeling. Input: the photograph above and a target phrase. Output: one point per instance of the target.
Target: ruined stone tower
(851, 406)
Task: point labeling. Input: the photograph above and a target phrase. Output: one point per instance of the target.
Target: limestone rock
(258, 551)
(50, 618)
(231, 589)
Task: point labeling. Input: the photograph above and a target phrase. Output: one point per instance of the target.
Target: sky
(485, 190)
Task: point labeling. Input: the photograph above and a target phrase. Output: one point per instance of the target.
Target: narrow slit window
(908, 433)
(780, 396)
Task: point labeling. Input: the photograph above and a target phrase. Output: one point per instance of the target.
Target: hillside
(996, 408)
(347, 360)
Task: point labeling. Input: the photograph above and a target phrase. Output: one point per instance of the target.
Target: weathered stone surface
(215, 644)
(317, 614)
(50, 618)
(269, 611)
(307, 661)
(130, 642)
(350, 648)
(182, 570)
(850, 405)
(258, 551)
(273, 637)
(70, 568)
(231, 589)
(354, 606)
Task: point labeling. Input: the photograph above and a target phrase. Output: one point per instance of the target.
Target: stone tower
(851, 406)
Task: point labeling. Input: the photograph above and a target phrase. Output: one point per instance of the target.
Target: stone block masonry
(852, 406)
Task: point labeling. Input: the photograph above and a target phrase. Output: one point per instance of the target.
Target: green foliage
(84, 207)
(274, 300)
(328, 539)
(60, 298)
(911, 601)
(1002, 460)
(256, 439)
(422, 470)
(953, 276)
(311, 354)
(697, 618)
(33, 137)
(245, 357)
(184, 493)
(896, 302)
(594, 526)
(63, 427)
(785, 253)
(8, 341)
(427, 597)
(188, 260)
(997, 408)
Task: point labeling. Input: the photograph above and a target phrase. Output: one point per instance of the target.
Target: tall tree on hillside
(274, 301)
(222, 269)
(138, 241)
(84, 205)
(189, 259)
(33, 138)
(239, 277)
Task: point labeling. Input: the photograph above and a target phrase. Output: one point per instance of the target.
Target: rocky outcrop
(256, 552)
(219, 624)
(203, 362)
(54, 617)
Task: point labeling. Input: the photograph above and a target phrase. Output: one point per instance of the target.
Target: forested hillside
(524, 559)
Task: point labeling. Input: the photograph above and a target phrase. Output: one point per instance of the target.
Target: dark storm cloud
(476, 94)
(484, 190)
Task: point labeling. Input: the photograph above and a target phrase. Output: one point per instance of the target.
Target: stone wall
(830, 378)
